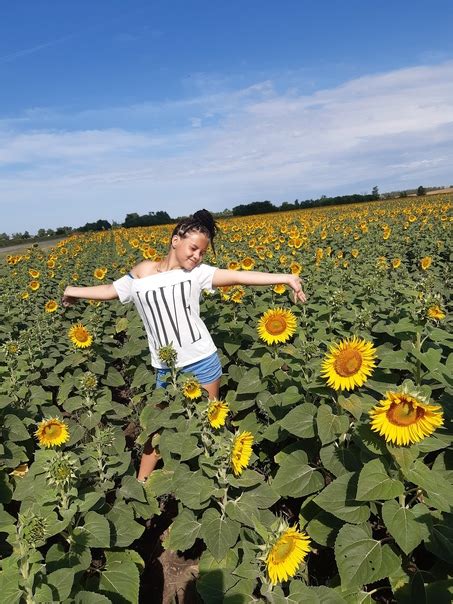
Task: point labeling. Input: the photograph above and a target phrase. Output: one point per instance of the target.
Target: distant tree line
(263, 207)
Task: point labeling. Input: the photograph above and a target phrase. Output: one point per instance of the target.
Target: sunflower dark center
(214, 412)
(81, 334)
(52, 431)
(283, 549)
(404, 413)
(348, 362)
(276, 325)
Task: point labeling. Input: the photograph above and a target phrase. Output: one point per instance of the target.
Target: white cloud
(393, 129)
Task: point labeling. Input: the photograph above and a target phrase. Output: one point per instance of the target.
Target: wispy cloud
(222, 148)
(32, 49)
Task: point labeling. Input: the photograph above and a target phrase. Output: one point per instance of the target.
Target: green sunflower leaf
(219, 533)
(402, 525)
(375, 484)
(339, 499)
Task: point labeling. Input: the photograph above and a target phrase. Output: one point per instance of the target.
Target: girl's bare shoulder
(144, 269)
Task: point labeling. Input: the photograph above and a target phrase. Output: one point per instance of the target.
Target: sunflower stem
(418, 364)
(418, 492)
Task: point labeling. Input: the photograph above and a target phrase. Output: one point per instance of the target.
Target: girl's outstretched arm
(96, 292)
(223, 277)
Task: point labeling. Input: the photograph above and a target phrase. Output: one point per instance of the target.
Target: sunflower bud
(167, 355)
(88, 382)
(32, 529)
(61, 470)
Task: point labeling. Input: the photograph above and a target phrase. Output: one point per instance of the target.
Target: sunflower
(80, 336)
(192, 389)
(349, 363)
(286, 554)
(34, 274)
(402, 418)
(51, 306)
(277, 325)
(237, 295)
(435, 312)
(217, 413)
(100, 273)
(355, 252)
(295, 268)
(280, 288)
(52, 432)
(51, 263)
(241, 452)
(233, 265)
(34, 285)
(426, 262)
(247, 264)
(25, 295)
(396, 262)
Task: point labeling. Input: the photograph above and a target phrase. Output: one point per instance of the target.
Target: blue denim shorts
(206, 371)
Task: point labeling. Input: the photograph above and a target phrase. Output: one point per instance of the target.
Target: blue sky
(112, 107)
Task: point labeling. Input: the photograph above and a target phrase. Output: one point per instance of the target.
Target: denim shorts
(206, 371)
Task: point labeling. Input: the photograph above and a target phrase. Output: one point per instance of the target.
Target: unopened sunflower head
(11, 348)
(32, 529)
(61, 469)
(167, 355)
(105, 436)
(88, 382)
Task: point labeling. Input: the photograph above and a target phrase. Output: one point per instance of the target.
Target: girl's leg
(212, 389)
(150, 457)
(148, 462)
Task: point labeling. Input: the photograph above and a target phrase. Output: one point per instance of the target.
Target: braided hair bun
(202, 221)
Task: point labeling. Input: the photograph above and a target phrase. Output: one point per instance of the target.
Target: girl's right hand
(295, 282)
(68, 300)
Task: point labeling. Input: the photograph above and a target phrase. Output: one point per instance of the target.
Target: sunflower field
(324, 475)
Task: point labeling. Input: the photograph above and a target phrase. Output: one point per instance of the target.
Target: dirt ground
(10, 249)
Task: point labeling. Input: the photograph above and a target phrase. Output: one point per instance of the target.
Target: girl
(166, 295)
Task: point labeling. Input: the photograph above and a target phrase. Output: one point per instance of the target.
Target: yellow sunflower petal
(403, 419)
(277, 325)
(192, 389)
(217, 413)
(80, 336)
(349, 363)
(286, 555)
(241, 452)
(52, 432)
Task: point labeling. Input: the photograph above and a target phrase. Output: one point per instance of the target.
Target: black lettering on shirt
(187, 310)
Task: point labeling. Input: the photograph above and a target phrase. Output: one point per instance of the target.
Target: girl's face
(190, 249)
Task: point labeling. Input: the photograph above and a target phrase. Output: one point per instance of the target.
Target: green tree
(421, 191)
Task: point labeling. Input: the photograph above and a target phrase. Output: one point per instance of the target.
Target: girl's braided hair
(202, 221)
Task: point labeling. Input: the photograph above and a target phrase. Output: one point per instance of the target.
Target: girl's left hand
(295, 282)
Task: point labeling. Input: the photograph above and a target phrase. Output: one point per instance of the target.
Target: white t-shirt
(169, 305)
